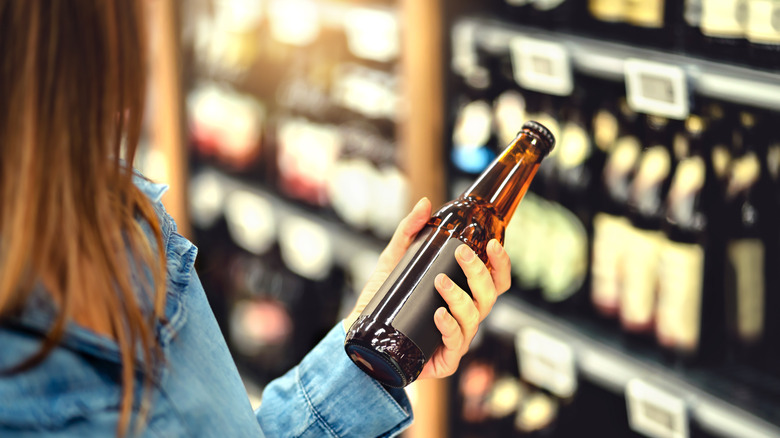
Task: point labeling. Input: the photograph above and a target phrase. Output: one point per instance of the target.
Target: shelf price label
(546, 362)
(541, 65)
(657, 88)
(655, 412)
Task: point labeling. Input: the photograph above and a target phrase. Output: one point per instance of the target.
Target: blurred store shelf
(721, 402)
(345, 241)
(605, 59)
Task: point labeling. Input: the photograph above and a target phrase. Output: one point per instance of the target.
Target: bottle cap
(548, 140)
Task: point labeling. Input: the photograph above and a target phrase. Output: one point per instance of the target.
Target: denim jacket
(75, 392)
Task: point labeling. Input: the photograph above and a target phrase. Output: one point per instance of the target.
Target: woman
(104, 326)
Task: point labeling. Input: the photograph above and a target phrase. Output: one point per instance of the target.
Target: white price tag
(546, 362)
(372, 34)
(464, 55)
(657, 88)
(541, 65)
(655, 412)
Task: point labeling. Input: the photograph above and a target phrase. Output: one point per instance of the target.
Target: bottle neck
(504, 183)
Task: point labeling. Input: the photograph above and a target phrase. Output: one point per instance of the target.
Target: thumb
(404, 235)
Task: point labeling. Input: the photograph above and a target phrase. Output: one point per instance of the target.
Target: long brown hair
(72, 87)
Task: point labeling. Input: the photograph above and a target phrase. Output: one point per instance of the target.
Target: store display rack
(346, 241)
(600, 354)
(607, 60)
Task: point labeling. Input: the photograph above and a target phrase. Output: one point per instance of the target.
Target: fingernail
(420, 203)
(466, 254)
(494, 247)
(445, 282)
(440, 313)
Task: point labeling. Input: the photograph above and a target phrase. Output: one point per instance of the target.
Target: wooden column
(422, 159)
(167, 123)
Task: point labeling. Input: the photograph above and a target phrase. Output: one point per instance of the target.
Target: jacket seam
(313, 409)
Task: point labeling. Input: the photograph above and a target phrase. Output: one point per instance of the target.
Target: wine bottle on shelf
(570, 210)
(610, 224)
(690, 293)
(653, 22)
(395, 334)
(645, 239)
(606, 18)
(748, 223)
(763, 33)
(723, 29)
(772, 281)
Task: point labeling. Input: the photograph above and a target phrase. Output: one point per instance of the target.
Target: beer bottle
(396, 334)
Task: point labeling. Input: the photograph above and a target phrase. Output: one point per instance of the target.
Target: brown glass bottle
(395, 335)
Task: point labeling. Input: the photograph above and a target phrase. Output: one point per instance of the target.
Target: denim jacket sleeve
(326, 395)
(334, 398)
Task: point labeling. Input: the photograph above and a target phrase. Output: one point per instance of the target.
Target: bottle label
(723, 18)
(472, 128)
(567, 248)
(746, 257)
(575, 146)
(645, 13)
(605, 130)
(610, 234)
(509, 111)
(525, 238)
(744, 173)
(640, 280)
(613, 11)
(721, 159)
(688, 181)
(763, 26)
(654, 168)
(409, 296)
(679, 297)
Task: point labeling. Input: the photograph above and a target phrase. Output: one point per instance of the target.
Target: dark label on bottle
(409, 298)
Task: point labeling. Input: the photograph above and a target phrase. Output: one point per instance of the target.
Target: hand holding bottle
(458, 325)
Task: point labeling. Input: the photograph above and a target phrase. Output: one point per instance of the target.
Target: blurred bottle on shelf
(227, 127)
(652, 23)
(611, 226)
(749, 222)
(722, 27)
(547, 14)
(472, 138)
(763, 33)
(689, 306)
(306, 153)
(644, 240)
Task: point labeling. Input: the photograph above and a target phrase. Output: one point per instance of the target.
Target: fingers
(404, 234)
(480, 281)
(501, 266)
(461, 306)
